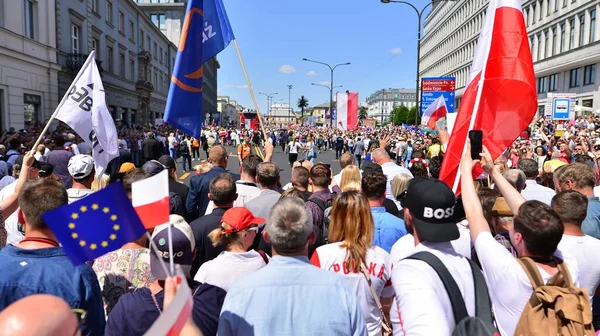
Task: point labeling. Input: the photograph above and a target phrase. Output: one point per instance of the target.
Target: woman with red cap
(236, 234)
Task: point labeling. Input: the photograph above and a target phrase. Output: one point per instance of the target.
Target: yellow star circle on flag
(103, 243)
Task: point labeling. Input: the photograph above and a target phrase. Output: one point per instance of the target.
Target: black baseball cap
(167, 161)
(431, 203)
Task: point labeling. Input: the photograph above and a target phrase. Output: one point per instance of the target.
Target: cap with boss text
(431, 204)
(183, 246)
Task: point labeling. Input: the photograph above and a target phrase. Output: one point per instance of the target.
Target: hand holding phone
(476, 138)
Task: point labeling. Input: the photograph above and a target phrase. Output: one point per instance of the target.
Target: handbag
(386, 328)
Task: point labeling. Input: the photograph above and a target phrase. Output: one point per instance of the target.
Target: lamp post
(419, 16)
(382, 102)
(289, 103)
(269, 97)
(330, 86)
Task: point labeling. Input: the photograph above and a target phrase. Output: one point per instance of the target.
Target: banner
(347, 111)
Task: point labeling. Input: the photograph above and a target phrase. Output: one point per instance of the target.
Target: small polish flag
(434, 113)
(150, 198)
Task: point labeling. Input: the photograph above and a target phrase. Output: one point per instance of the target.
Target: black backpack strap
(458, 304)
(319, 202)
(483, 305)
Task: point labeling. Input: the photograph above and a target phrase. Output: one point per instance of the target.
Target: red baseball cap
(238, 219)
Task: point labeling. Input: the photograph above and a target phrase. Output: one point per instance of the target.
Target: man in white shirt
(390, 169)
(246, 187)
(534, 191)
(536, 232)
(345, 160)
(421, 297)
(571, 207)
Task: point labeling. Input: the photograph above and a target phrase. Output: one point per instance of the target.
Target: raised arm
(471, 202)
(10, 204)
(513, 198)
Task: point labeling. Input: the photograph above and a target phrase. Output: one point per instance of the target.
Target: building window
(155, 51)
(533, 13)
(546, 43)
(533, 53)
(552, 82)
(28, 19)
(581, 29)
(109, 58)
(158, 20)
(540, 49)
(548, 9)
(131, 70)
(541, 10)
(589, 74)
(572, 34)
(75, 38)
(563, 34)
(122, 65)
(592, 25)
(142, 39)
(148, 42)
(160, 55)
(95, 6)
(121, 23)
(541, 84)
(554, 48)
(574, 78)
(95, 44)
(131, 31)
(564, 3)
(109, 12)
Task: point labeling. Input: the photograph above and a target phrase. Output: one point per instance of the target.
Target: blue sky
(274, 35)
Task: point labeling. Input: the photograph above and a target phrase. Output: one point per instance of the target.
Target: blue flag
(206, 32)
(95, 225)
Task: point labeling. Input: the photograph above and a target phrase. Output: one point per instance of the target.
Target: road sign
(560, 105)
(434, 87)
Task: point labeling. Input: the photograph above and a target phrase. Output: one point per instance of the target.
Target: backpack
(482, 323)
(182, 147)
(323, 230)
(555, 308)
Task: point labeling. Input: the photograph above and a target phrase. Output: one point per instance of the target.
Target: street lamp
(269, 97)
(419, 16)
(326, 86)
(330, 86)
(289, 103)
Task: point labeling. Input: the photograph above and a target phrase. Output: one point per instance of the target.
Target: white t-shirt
(332, 256)
(508, 284)
(11, 223)
(294, 145)
(422, 303)
(227, 267)
(584, 249)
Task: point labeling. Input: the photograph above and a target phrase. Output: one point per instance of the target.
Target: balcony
(75, 62)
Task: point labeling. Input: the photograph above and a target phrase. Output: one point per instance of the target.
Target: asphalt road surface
(280, 158)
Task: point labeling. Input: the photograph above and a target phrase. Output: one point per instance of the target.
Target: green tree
(400, 115)
(411, 117)
(363, 113)
(302, 104)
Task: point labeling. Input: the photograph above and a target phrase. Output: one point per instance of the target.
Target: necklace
(50, 242)
(155, 302)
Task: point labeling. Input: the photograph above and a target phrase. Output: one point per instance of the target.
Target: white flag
(84, 110)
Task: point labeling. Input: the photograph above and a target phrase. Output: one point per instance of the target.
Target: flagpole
(92, 56)
(237, 49)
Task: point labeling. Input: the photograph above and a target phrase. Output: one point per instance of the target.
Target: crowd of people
(381, 247)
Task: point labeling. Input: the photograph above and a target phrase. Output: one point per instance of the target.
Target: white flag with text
(84, 110)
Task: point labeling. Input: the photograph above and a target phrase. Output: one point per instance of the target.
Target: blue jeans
(188, 159)
(173, 153)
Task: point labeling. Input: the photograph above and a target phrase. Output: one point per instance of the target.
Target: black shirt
(391, 208)
(181, 190)
(201, 227)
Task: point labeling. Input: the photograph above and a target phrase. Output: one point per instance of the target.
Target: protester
(399, 185)
(272, 300)
(267, 177)
(345, 160)
(100, 183)
(184, 149)
(388, 228)
(59, 159)
(174, 186)
(351, 178)
(516, 178)
(351, 253)
(390, 169)
(38, 265)
(82, 172)
(293, 148)
(244, 150)
(300, 180)
(135, 312)
(581, 178)
(237, 231)
(532, 190)
(197, 200)
(321, 198)
(150, 148)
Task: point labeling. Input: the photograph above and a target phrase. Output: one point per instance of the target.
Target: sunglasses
(402, 197)
(252, 228)
(81, 315)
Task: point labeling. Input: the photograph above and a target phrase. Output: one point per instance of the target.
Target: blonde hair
(350, 178)
(220, 238)
(100, 183)
(400, 184)
(203, 167)
(352, 224)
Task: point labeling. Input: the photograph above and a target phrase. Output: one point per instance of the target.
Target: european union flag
(95, 225)
(206, 32)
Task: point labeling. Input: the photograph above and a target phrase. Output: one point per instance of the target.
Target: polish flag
(500, 96)
(347, 111)
(150, 198)
(434, 113)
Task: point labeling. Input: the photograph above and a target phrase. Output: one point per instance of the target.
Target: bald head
(517, 178)
(380, 156)
(40, 315)
(218, 156)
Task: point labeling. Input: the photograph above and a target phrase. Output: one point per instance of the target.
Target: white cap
(80, 166)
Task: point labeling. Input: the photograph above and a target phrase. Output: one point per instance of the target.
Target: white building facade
(386, 100)
(563, 35)
(28, 63)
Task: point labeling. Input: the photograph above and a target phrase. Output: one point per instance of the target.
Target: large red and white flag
(434, 114)
(150, 198)
(347, 111)
(500, 96)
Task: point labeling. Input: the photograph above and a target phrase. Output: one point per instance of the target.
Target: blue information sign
(434, 87)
